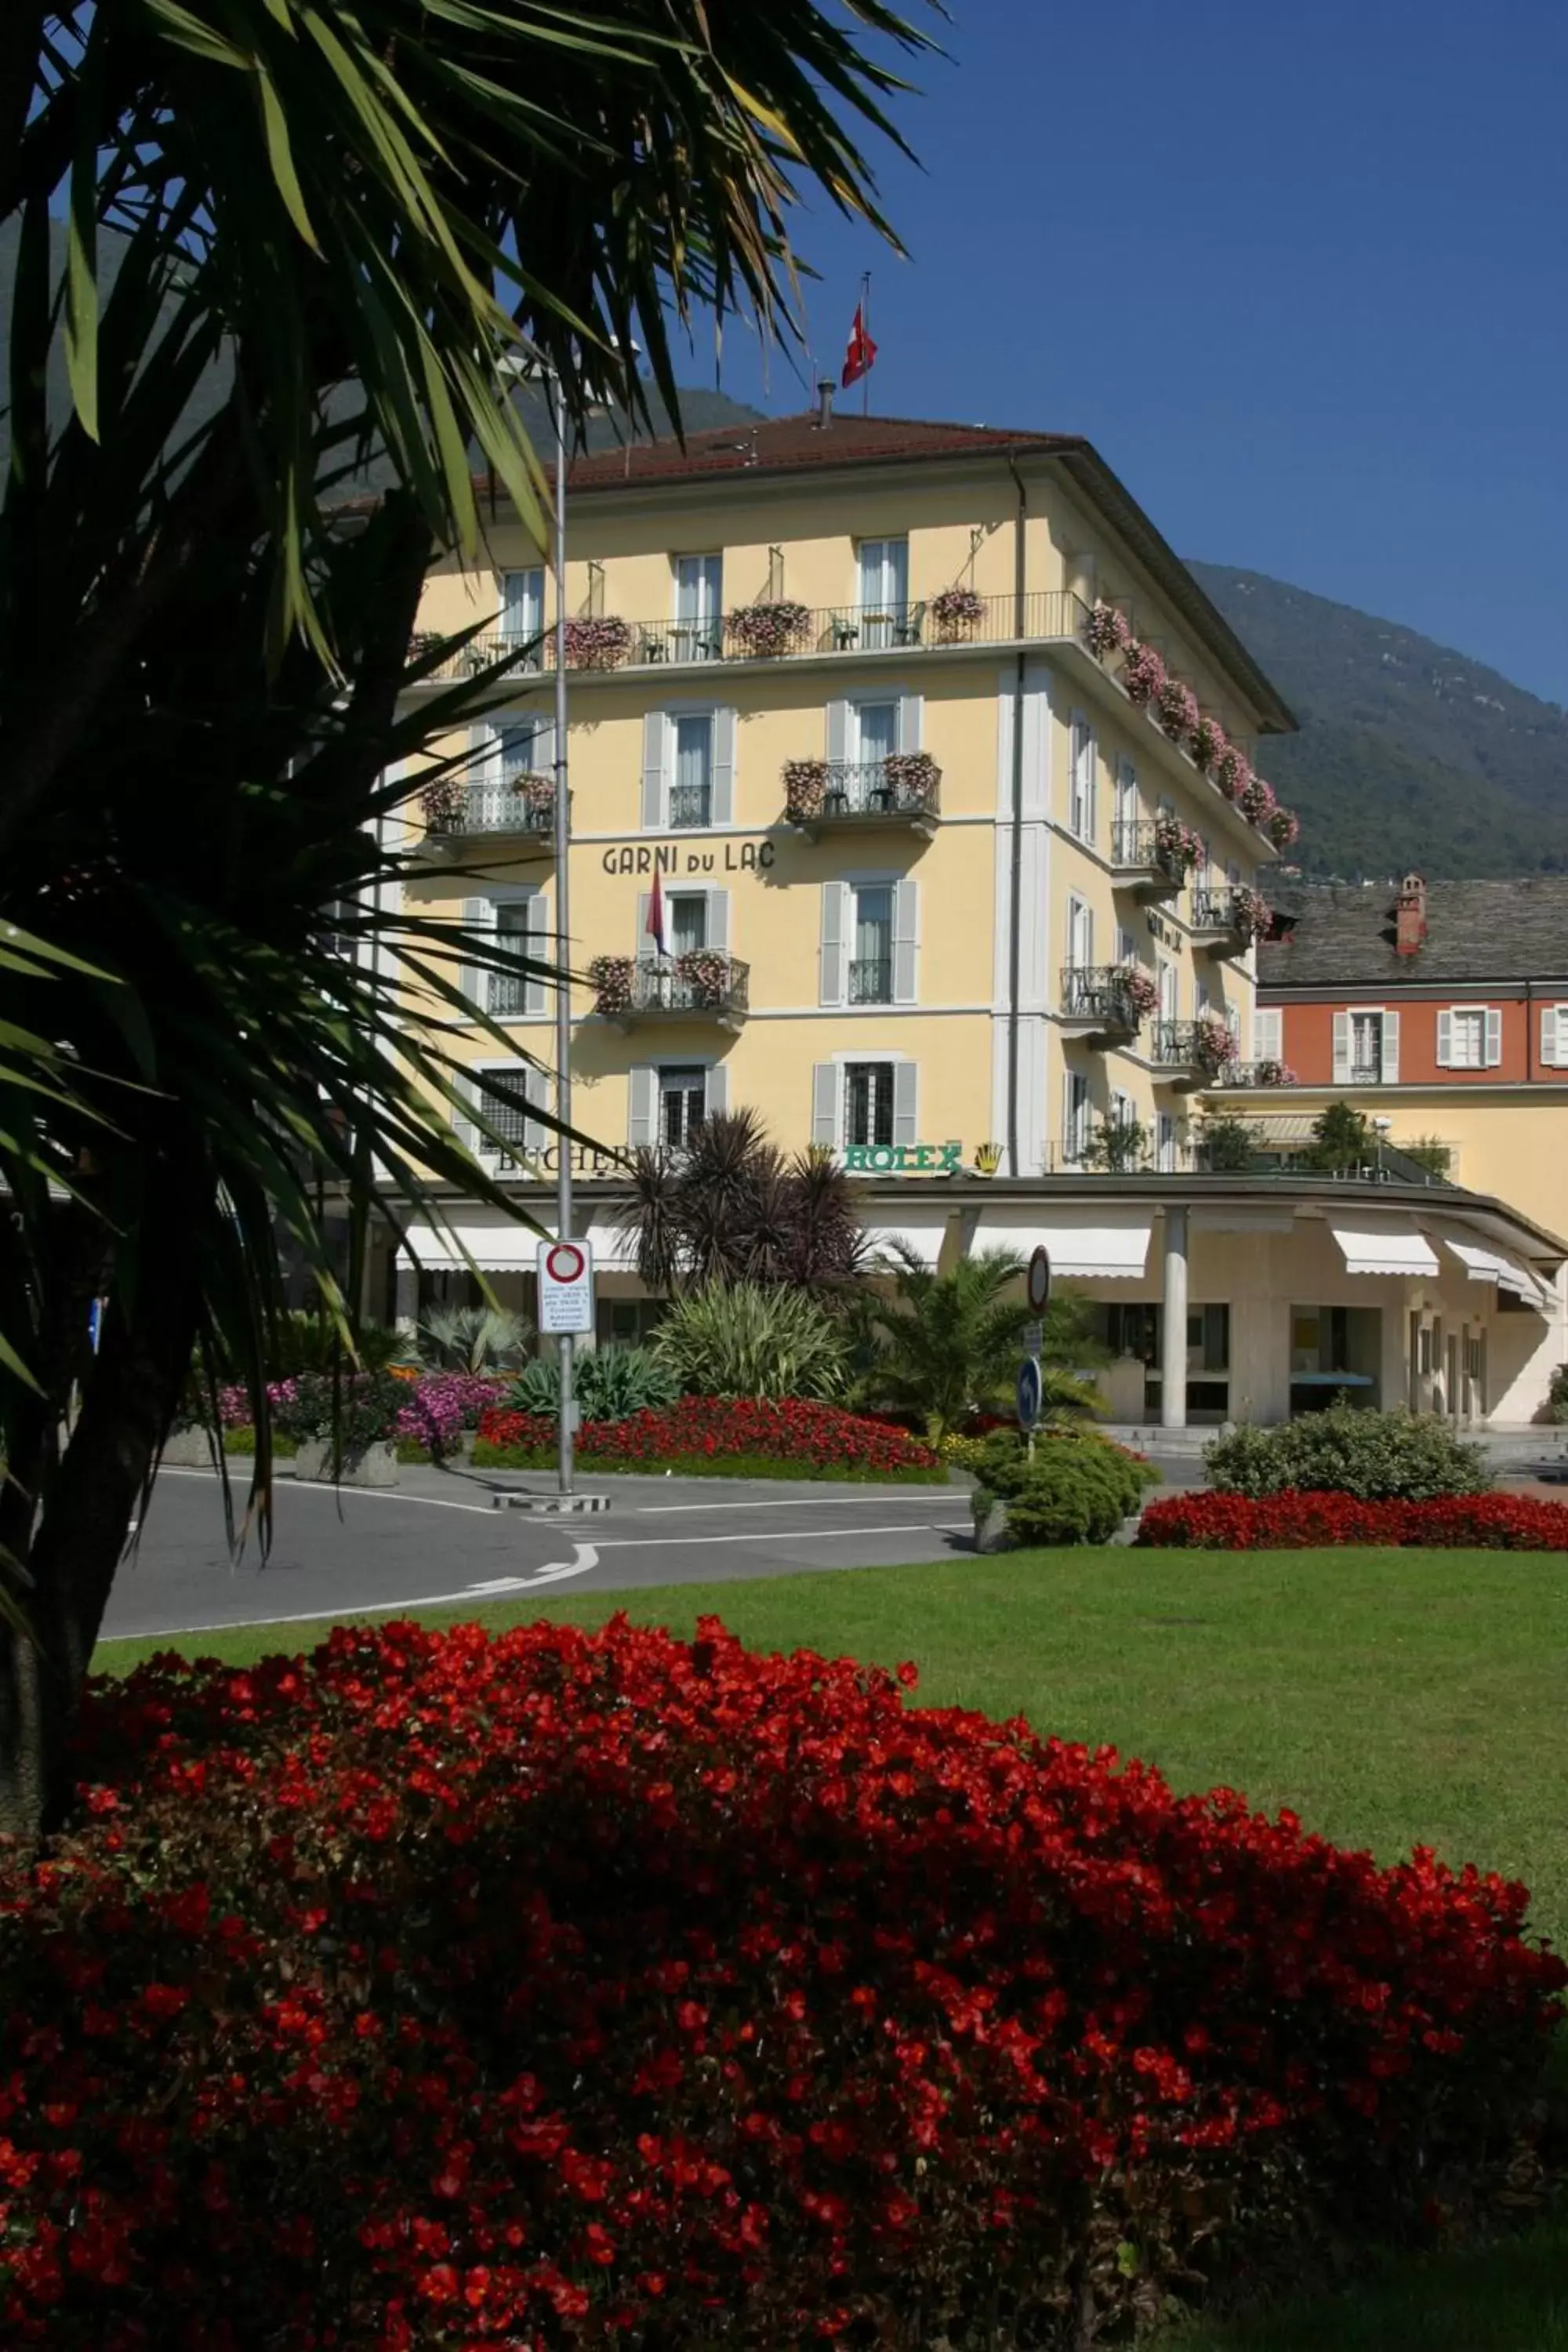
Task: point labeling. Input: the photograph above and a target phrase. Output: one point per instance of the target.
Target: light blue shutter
(1342, 1049)
(831, 973)
(1390, 1049)
(536, 1087)
(906, 1102)
(825, 1106)
(906, 940)
(721, 803)
(1445, 1041)
(642, 1093)
(1494, 1035)
(654, 734)
(718, 921)
(536, 944)
(838, 731)
(642, 945)
(479, 915)
(715, 1090)
(911, 717)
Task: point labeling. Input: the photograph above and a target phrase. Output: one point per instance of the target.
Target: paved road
(441, 1539)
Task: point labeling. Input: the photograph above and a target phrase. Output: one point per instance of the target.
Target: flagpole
(866, 324)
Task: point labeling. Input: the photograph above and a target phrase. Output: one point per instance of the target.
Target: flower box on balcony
(956, 613)
(805, 787)
(709, 976)
(610, 976)
(1208, 742)
(768, 629)
(1142, 672)
(1138, 989)
(1282, 826)
(1106, 632)
(1177, 849)
(597, 641)
(443, 804)
(1231, 773)
(1256, 800)
(1176, 709)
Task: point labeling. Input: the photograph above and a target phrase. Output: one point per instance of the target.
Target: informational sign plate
(1029, 1393)
(1040, 1280)
(565, 1286)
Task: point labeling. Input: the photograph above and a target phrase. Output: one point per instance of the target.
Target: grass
(1391, 1697)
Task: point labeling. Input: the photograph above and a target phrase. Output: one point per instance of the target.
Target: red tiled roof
(782, 443)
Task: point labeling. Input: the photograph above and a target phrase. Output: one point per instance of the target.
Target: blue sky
(1299, 271)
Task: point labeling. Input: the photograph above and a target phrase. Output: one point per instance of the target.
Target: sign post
(565, 1288)
(1029, 1388)
(1028, 1394)
(1038, 1280)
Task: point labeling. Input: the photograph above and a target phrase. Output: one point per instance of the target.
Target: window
(1075, 1116)
(1165, 1143)
(682, 1105)
(691, 789)
(1366, 1046)
(1267, 1044)
(1080, 935)
(509, 1096)
(1169, 985)
(868, 1102)
(1080, 808)
(874, 728)
(522, 610)
(688, 921)
(1554, 1037)
(699, 608)
(1125, 844)
(871, 959)
(884, 592)
(1470, 1037)
(516, 929)
(523, 749)
(1126, 945)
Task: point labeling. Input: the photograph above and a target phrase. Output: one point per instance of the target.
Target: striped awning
(1491, 1266)
(1392, 1249)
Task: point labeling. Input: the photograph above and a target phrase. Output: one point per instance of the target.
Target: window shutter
(654, 729)
(1342, 1049)
(1389, 1048)
(719, 920)
(1445, 1041)
(536, 1087)
(906, 940)
(1266, 1041)
(910, 716)
(715, 1090)
(1548, 1036)
(723, 799)
(537, 945)
(642, 944)
(831, 974)
(642, 1100)
(838, 731)
(1090, 792)
(1494, 1035)
(906, 1102)
(479, 915)
(466, 1133)
(825, 1106)
(484, 756)
(544, 747)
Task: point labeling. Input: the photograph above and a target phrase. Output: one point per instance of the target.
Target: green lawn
(1390, 1696)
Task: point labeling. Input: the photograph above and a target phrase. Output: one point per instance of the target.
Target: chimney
(825, 404)
(1410, 916)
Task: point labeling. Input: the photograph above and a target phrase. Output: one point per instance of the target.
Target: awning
(1490, 1265)
(613, 1252)
(1116, 1251)
(921, 1235)
(500, 1246)
(1391, 1251)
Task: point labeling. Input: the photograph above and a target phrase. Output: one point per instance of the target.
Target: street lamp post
(566, 1344)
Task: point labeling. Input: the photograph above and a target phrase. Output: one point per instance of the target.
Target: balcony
(524, 811)
(691, 807)
(870, 980)
(700, 984)
(904, 789)
(1152, 856)
(1188, 1054)
(777, 631)
(1226, 921)
(1268, 1073)
(1100, 1003)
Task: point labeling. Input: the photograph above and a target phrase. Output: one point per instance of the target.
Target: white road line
(351, 1494)
(785, 1503)
(478, 1593)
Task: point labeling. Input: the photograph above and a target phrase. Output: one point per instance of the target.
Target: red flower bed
(791, 1429)
(1293, 1521)
(573, 1990)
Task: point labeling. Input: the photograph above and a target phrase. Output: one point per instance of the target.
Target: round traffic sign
(1039, 1279)
(1029, 1393)
(564, 1263)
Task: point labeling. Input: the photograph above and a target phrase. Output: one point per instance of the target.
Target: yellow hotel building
(939, 895)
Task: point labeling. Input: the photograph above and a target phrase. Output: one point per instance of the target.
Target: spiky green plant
(741, 1339)
(941, 1346)
(608, 1384)
(473, 1338)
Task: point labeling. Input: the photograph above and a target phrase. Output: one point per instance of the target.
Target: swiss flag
(861, 355)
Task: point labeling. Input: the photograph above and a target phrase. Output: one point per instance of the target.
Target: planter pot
(189, 1449)
(376, 1467)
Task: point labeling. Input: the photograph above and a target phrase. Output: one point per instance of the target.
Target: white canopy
(922, 1231)
(1388, 1250)
(1105, 1243)
(1491, 1266)
(497, 1246)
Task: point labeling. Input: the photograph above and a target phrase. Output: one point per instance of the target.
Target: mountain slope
(1409, 753)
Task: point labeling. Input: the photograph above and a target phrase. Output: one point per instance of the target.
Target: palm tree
(204, 651)
(732, 1208)
(944, 1345)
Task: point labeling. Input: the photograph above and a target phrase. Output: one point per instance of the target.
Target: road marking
(785, 1503)
(354, 1493)
(773, 1535)
(550, 1573)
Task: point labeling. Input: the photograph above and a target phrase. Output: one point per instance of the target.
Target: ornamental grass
(571, 1989)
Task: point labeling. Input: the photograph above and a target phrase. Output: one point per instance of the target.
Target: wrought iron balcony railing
(871, 981)
(691, 806)
(905, 788)
(526, 807)
(1100, 995)
(701, 983)
(1196, 1052)
(1158, 851)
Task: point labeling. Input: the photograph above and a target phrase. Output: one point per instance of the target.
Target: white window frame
(1081, 914)
(1490, 1019)
(535, 1083)
(702, 627)
(839, 1064)
(1078, 1113)
(660, 1070)
(1166, 1141)
(1083, 756)
(1354, 1013)
(1267, 1033)
(1554, 1037)
(532, 597)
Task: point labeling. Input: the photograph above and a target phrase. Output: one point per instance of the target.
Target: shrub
(1072, 1488)
(598, 1989)
(473, 1338)
(608, 1383)
(1557, 1395)
(739, 1339)
(1375, 1455)
(350, 1413)
(1301, 1521)
(438, 1408)
(819, 1438)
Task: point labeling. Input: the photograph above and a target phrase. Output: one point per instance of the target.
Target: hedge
(579, 1989)
(1304, 1521)
(816, 1440)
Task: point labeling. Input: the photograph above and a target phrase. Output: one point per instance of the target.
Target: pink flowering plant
(1106, 630)
(1142, 672)
(1231, 773)
(1253, 912)
(805, 789)
(1176, 709)
(1177, 847)
(779, 628)
(1255, 799)
(597, 641)
(1283, 826)
(1138, 989)
(443, 804)
(957, 609)
(610, 978)
(1207, 742)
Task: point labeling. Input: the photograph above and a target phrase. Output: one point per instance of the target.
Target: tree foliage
(944, 1345)
(733, 1208)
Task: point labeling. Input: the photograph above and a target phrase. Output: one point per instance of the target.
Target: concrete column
(1173, 1353)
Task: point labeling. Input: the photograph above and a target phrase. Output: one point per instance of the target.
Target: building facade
(907, 771)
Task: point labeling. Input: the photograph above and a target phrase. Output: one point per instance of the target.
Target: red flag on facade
(861, 355)
(656, 929)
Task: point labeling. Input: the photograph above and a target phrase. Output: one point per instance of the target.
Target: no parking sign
(565, 1286)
